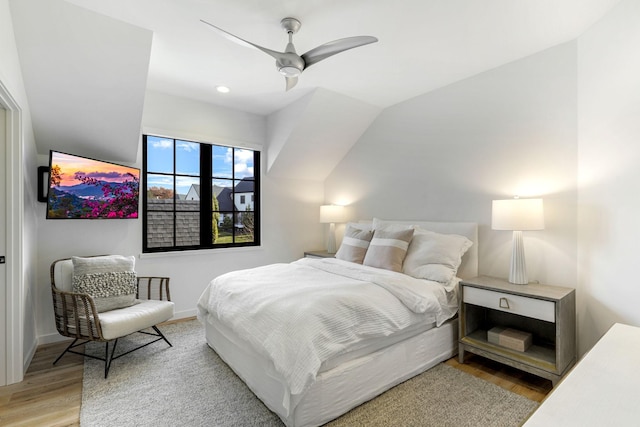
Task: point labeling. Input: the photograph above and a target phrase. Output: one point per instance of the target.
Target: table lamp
(330, 214)
(517, 215)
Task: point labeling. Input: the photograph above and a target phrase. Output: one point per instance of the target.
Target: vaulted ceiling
(87, 63)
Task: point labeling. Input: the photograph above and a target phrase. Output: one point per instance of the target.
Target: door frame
(14, 298)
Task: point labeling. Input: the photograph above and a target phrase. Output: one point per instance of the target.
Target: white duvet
(300, 314)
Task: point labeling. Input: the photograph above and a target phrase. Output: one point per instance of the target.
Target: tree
(159, 193)
(120, 200)
(216, 218)
(248, 222)
(55, 175)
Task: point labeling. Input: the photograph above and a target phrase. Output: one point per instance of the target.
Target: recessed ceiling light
(222, 89)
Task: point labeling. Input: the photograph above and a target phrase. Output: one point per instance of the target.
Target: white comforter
(299, 315)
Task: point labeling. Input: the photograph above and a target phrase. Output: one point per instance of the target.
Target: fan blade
(328, 49)
(275, 54)
(291, 82)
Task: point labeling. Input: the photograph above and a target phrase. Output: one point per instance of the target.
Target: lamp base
(331, 242)
(518, 271)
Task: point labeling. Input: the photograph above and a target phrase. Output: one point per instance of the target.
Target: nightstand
(318, 254)
(548, 313)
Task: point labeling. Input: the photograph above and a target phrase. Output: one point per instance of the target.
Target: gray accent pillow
(109, 280)
(354, 244)
(388, 249)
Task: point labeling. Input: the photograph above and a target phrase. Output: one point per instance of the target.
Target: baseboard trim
(29, 356)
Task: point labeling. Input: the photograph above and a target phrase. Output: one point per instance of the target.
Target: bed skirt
(340, 388)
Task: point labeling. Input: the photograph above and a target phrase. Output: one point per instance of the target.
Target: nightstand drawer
(516, 304)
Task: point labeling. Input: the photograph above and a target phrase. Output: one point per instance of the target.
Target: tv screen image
(84, 188)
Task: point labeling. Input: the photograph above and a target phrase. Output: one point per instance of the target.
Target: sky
(160, 159)
(103, 171)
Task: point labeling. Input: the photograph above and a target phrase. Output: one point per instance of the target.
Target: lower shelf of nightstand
(538, 360)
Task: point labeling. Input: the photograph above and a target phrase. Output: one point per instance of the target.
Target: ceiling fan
(289, 63)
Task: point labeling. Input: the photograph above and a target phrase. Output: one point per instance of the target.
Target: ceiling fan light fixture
(289, 71)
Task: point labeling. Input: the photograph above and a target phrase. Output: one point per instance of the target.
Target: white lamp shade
(331, 214)
(517, 214)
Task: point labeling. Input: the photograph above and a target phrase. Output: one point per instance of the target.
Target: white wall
(289, 214)
(609, 176)
(11, 78)
(561, 124)
(446, 154)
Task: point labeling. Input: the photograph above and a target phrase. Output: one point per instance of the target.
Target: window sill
(199, 252)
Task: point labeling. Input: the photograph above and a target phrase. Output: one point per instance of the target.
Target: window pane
(160, 223)
(159, 187)
(187, 228)
(187, 158)
(221, 161)
(244, 227)
(222, 207)
(243, 163)
(243, 191)
(159, 154)
(224, 230)
(188, 188)
(223, 190)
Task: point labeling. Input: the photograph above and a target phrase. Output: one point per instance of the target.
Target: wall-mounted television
(84, 188)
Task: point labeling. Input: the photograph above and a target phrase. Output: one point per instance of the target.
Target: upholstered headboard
(469, 266)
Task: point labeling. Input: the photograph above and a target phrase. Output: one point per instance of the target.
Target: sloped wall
(446, 154)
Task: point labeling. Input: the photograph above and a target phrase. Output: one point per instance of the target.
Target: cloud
(111, 176)
(162, 143)
(187, 146)
(244, 163)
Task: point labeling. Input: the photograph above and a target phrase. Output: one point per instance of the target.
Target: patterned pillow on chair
(109, 280)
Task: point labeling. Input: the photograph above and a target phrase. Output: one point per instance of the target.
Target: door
(3, 251)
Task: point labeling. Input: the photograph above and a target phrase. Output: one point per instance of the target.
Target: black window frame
(206, 202)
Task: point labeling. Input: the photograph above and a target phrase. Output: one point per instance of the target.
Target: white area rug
(189, 385)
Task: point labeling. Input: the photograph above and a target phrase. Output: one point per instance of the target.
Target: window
(195, 195)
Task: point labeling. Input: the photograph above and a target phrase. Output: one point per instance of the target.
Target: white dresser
(602, 389)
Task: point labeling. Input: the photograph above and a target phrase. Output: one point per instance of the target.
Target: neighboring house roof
(224, 200)
(216, 190)
(245, 186)
(223, 194)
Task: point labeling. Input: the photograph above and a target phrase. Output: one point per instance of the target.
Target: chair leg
(65, 350)
(109, 357)
(155, 328)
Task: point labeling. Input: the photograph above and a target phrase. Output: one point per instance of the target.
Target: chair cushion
(63, 275)
(145, 314)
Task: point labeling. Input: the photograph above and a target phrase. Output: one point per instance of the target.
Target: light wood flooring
(50, 395)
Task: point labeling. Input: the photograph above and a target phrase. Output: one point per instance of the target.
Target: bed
(309, 373)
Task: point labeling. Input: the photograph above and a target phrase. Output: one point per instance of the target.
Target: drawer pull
(504, 303)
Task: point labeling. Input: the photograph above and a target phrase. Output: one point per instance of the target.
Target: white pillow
(354, 244)
(390, 226)
(388, 249)
(435, 256)
(368, 226)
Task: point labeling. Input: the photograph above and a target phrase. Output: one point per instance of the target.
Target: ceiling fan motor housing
(290, 64)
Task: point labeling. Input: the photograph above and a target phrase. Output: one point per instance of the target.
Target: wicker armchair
(76, 315)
